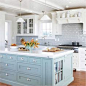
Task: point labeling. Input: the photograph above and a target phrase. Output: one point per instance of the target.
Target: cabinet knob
(28, 79)
(85, 64)
(6, 64)
(22, 59)
(10, 57)
(6, 74)
(1, 56)
(34, 60)
(28, 68)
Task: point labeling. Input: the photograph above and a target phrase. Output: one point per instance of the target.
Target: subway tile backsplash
(70, 33)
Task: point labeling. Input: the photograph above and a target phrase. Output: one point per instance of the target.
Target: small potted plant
(30, 45)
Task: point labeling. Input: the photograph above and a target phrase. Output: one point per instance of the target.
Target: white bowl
(13, 47)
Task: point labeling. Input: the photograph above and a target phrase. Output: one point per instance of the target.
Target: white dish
(13, 47)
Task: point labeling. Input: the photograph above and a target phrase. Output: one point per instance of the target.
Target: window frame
(41, 36)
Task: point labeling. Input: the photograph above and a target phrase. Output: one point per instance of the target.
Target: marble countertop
(37, 52)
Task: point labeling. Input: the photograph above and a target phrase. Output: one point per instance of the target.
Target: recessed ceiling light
(67, 6)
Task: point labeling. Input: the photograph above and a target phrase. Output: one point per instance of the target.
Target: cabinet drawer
(82, 50)
(29, 80)
(83, 65)
(83, 59)
(23, 58)
(8, 75)
(29, 69)
(11, 57)
(35, 60)
(8, 66)
(2, 57)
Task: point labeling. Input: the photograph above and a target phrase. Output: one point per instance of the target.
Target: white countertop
(37, 53)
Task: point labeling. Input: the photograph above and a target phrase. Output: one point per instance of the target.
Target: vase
(29, 48)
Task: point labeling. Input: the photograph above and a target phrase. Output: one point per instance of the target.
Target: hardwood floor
(79, 79)
(1, 84)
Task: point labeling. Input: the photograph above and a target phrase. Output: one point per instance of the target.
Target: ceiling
(37, 6)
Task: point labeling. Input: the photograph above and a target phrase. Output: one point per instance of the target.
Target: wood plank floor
(79, 79)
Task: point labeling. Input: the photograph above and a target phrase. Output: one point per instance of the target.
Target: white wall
(13, 29)
(2, 30)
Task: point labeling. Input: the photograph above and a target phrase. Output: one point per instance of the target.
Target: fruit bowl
(14, 47)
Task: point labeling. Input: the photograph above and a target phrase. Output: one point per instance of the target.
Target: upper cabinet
(29, 27)
(57, 28)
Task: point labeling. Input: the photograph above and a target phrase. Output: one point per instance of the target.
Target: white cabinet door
(58, 29)
(82, 58)
(75, 60)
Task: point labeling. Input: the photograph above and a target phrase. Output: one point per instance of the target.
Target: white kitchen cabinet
(76, 60)
(29, 27)
(57, 28)
(82, 58)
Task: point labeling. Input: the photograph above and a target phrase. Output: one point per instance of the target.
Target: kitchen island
(22, 68)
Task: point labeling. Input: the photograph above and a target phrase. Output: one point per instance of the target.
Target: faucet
(44, 40)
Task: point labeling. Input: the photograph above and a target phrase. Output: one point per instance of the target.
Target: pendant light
(45, 17)
(20, 19)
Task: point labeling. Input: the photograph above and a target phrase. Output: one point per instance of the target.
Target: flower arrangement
(31, 44)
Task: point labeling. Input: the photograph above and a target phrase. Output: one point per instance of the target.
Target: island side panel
(68, 69)
(48, 72)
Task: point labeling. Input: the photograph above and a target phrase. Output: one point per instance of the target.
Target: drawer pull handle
(85, 64)
(6, 74)
(28, 68)
(6, 64)
(34, 60)
(10, 57)
(28, 79)
(1, 56)
(22, 59)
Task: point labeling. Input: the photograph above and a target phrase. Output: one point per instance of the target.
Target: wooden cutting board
(51, 51)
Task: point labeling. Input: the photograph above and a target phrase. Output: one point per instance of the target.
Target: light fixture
(45, 17)
(20, 19)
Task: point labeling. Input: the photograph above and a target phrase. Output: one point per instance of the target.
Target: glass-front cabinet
(58, 70)
(25, 26)
(19, 28)
(29, 26)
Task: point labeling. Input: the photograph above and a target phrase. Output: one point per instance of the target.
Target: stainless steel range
(70, 47)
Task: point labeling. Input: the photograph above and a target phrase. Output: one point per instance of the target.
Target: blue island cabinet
(21, 70)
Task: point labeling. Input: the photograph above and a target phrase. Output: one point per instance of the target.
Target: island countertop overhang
(38, 53)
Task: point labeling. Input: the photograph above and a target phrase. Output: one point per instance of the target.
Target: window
(47, 29)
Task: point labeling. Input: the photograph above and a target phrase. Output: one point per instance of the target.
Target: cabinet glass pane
(31, 26)
(58, 71)
(25, 26)
(19, 28)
